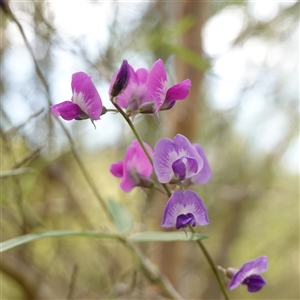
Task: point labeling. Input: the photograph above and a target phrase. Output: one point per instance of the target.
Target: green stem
(153, 273)
(127, 119)
(202, 247)
(159, 279)
(211, 264)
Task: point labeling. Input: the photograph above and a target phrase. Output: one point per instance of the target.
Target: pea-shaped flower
(248, 274)
(135, 95)
(85, 102)
(184, 209)
(177, 159)
(159, 91)
(136, 168)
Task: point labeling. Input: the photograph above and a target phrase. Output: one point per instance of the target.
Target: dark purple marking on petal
(185, 220)
(254, 283)
(179, 169)
(184, 203)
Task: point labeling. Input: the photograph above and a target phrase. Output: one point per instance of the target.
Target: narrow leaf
(51, 234)
(121, 216)
(14, 172)
(150, 236)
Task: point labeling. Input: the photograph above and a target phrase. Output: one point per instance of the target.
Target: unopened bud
(121, 80)
(4, 5)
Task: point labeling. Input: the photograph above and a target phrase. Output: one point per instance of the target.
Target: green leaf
(121, 217)
(50, 234)
(150, 236)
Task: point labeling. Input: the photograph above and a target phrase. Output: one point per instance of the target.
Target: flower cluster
(177, 162)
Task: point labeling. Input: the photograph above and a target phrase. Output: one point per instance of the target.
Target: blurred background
(243, 60)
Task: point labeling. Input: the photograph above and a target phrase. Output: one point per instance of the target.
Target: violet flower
(176, 159)
(136, 168)
(159, 91)
(205, 173)
(135, 95)
(120, 79)
(248, 274)
(85, 102)
(184, 209)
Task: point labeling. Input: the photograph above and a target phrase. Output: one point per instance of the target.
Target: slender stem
(211, 264)
(147, 266)
(129, 122)
(202, 247)
(153, 273)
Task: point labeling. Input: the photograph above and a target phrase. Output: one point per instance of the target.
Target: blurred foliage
(253, 198)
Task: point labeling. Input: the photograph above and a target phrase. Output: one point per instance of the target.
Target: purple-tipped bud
(121, 79)
(4, 5)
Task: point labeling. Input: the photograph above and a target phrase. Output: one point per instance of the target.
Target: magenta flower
(135, 95)
(184, 209)
(159, 91)
(85, 102)
(136, 168)
(176, 159)
(205, 173)
(248, 274)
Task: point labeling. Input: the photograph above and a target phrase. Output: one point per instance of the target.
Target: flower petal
(157, 83)
(205, 173)
(117, 169)
(254, 283)
(252, 267)
(164, 155)
(67, 110)
(166, 152)
(185, 148)
(136, 91)
(136, 166)
(183, 221)
(85, 95)
(184, 203)
(177, 92)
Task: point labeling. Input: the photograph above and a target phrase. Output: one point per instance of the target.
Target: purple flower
(136, 168)
(248, 274)
(120, 80)
(176, 159)
(85, 102)
(205, 173)
(159, 91)
(135, 94)
(184, 209)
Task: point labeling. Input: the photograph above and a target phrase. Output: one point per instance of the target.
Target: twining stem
(201, 245)
(160, 280)
(211, 264)
(129, 122)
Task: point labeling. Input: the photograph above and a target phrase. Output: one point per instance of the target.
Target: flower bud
(4, 5)
(121, 80)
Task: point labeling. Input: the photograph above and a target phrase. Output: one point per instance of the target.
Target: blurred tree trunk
(183, 118)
